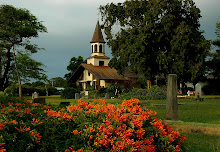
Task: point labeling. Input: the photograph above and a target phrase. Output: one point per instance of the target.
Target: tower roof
(97, 36)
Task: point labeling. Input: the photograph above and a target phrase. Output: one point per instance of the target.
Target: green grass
(202, 142)
(206, 111)
(192, 113)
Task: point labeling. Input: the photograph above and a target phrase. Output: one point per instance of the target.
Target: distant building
(96, 72)
(59, 89)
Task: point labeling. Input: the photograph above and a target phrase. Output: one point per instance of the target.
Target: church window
(92, 48)
(100, 48)
(101, 63)
(95, 48)
(89, 74)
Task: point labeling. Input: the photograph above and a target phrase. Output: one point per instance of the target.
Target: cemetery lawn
(192, 113)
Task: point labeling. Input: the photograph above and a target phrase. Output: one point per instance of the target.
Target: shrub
(88, 126)
(69, 93)
(155, 92)
(12, 90)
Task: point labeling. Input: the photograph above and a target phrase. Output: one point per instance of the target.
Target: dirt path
(195, 129)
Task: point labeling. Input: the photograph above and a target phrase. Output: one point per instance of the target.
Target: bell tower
(98, 57)
(97, 42)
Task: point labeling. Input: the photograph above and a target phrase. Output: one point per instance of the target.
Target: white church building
(96, 72)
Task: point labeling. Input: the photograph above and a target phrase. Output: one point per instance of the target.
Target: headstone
(95, 96)
(188, 93)
(39, 100)
(77, 96)
(172, 105)
(82, 95)
(198, 91)
(35, 95)
(107, 96)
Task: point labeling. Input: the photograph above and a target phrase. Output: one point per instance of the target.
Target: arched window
(95, 48)
(100, 48)
(92, 48)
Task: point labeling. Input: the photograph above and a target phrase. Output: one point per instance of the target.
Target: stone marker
(107, 96)
(95, 96)
(82, 95)
(39, 100)
(172, 105)
(198, 91)
(35, 95)
(77, 96)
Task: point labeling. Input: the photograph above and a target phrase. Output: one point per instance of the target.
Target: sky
(71, 23)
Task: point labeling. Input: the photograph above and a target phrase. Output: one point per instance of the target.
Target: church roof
(97, 36)
(100, 72)
(98, 57)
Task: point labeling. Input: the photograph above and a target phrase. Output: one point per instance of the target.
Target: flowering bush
(88, 126)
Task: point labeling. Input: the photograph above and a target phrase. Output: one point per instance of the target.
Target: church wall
(96, 62)
(87, 76)
(102, 83)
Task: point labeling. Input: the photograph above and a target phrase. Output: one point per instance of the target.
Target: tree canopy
(28, 68)
(213, 63)
(17, 27)
(156, 37)
(73, 65)
(58, 82)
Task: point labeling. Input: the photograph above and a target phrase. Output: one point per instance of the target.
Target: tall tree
(154, 37)
(17, 27)
(28, 68)
(213, 63)
(73, 65)
(58, 82)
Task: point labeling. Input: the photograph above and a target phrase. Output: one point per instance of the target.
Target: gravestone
(82, 95)
(198, 91)
(95, 96)
(35, 95)
(77, 96)
(39, 100)
(107, 96)
(172, 105)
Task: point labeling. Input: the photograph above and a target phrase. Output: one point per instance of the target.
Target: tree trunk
(149, 85)
(18, 75)
(4, 82)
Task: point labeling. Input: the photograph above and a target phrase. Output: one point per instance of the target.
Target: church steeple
(98, 57)
(97, 36)
(97, 42)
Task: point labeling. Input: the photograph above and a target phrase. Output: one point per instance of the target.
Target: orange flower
(36, 135)
(24, 129)
(18, 104)
(2, 148)
(80, 150)
(2, 125)
(76, 132)
(10, 103)
(35, 121)
(28, 101)
(13, 122)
